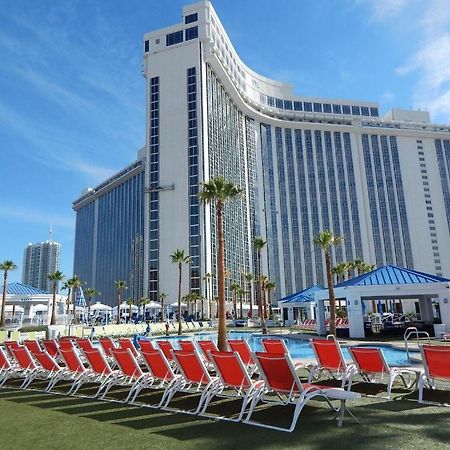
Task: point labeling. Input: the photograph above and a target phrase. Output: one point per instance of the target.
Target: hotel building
(305, 163)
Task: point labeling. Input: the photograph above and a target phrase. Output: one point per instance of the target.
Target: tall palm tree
(91, 292)
(325, 241)
(130, 302)
(162, 297)
(208, 293)
(262, 283)
(6, 266)
(202, 312)
(76, 283)
(178, 257)
(358, 264)
(144, 301)
(55, 278)
(270, 287)
(234, 289)
(339, 270)
(218, 191)
(249, 279)
(67, 286)
(119, 285)
(258, 244)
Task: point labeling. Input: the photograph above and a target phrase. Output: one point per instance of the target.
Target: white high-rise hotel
(306, 164)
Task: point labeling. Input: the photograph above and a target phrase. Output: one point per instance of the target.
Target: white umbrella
(153, 305)
(100, 307)
(40, 307)
(16, 309)
(175, 305)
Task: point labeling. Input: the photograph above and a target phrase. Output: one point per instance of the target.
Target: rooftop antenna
(50, 232)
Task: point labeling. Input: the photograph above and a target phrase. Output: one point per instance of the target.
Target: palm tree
(270, 287)
(68, 286)
(339, 270)
(241, 293)
(234, 289)
(249, 278)
(130, 302)
(219, 191)
(178, 257)
(91, 292)
(162, 297)
(258, 244)
(325, 240)
(207, 280)
(358, 264)
(262, 283)
(119, 285)
(55, 278)
(76, 283)
(144, 301)
(6, 266)
(202, 313)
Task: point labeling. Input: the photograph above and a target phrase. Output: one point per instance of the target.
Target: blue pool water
(299, 350)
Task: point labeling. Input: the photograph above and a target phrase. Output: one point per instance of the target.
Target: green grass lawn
(32, 419)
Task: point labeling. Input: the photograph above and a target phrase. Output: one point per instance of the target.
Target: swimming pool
(299, 350)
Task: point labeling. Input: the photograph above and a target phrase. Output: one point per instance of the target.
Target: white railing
(411, 332)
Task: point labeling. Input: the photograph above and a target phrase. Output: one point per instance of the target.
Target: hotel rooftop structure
(305, 163)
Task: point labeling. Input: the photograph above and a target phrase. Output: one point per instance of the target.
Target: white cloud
(384, 10)
(35, 216)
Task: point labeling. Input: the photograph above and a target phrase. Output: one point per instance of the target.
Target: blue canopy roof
(22, 289)
(389, 274)
(307, 295)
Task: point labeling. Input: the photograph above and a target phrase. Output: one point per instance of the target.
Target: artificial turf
(33, 419)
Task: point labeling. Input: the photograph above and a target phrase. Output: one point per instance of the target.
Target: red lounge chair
(99, 365)
(132, 374)
(187, 346)
(206, 347)
(79, 372)
(195, 379)
(372, 366)
(330, 360)
(241, 347)
(51, 346)
(128, 343)
(146, 345)
(281, 380)
(161, 372)
(66, 344)
(85, 344)
(232, 375)
(10, 345)
(436, 362)
(32, 345)
(107, 345)
(50, 370)
(166, 347)
(7, 370)
(28, 367)
(275, 346)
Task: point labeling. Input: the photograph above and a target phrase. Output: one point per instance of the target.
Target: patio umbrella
(40, 307)
(153, 305)
(100, 307)
(175, 305)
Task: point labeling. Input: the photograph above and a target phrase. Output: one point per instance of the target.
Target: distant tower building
(39, 261)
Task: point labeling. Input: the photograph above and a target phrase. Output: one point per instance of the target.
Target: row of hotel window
(176, 37)
(319, 107)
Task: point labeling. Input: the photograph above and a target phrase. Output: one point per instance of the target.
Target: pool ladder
(413, 331)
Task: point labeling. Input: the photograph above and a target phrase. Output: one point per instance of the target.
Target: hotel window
(317, 107)
(326, 108)
(146, 46)
(307, 106)
(374, 112)
(337, 109)
(356, 111)
(174, 38)
(288, 104)
(191, 18)
(191, 33)
(298, 106)
(365, 111)
(346, 109)
(279, 103)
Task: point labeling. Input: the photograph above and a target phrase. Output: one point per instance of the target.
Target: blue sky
(72, 95)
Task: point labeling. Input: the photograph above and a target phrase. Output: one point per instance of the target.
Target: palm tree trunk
(263, 315)
(53, 318)
(162, 310)
(202, 315)
(68, 301)
(3, 316)
(331, 295)
(250, 299)
(74, 299)
(258, 281)
(89, 308)
(180, 332)
(222, 331)
(129, 315)
(119, 301)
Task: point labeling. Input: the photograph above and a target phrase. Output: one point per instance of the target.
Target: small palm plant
(249, 279)
(179, 257)
(6, 266)
(259, 243)
(130, 303)
(90, 292)
(76, 284)
(234, 289)
(55, 278)
(120, 285)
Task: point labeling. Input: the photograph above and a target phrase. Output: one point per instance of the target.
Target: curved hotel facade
(305, 163)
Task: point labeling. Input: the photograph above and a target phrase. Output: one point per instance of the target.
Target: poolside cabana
(387, 283)
(300, 303)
